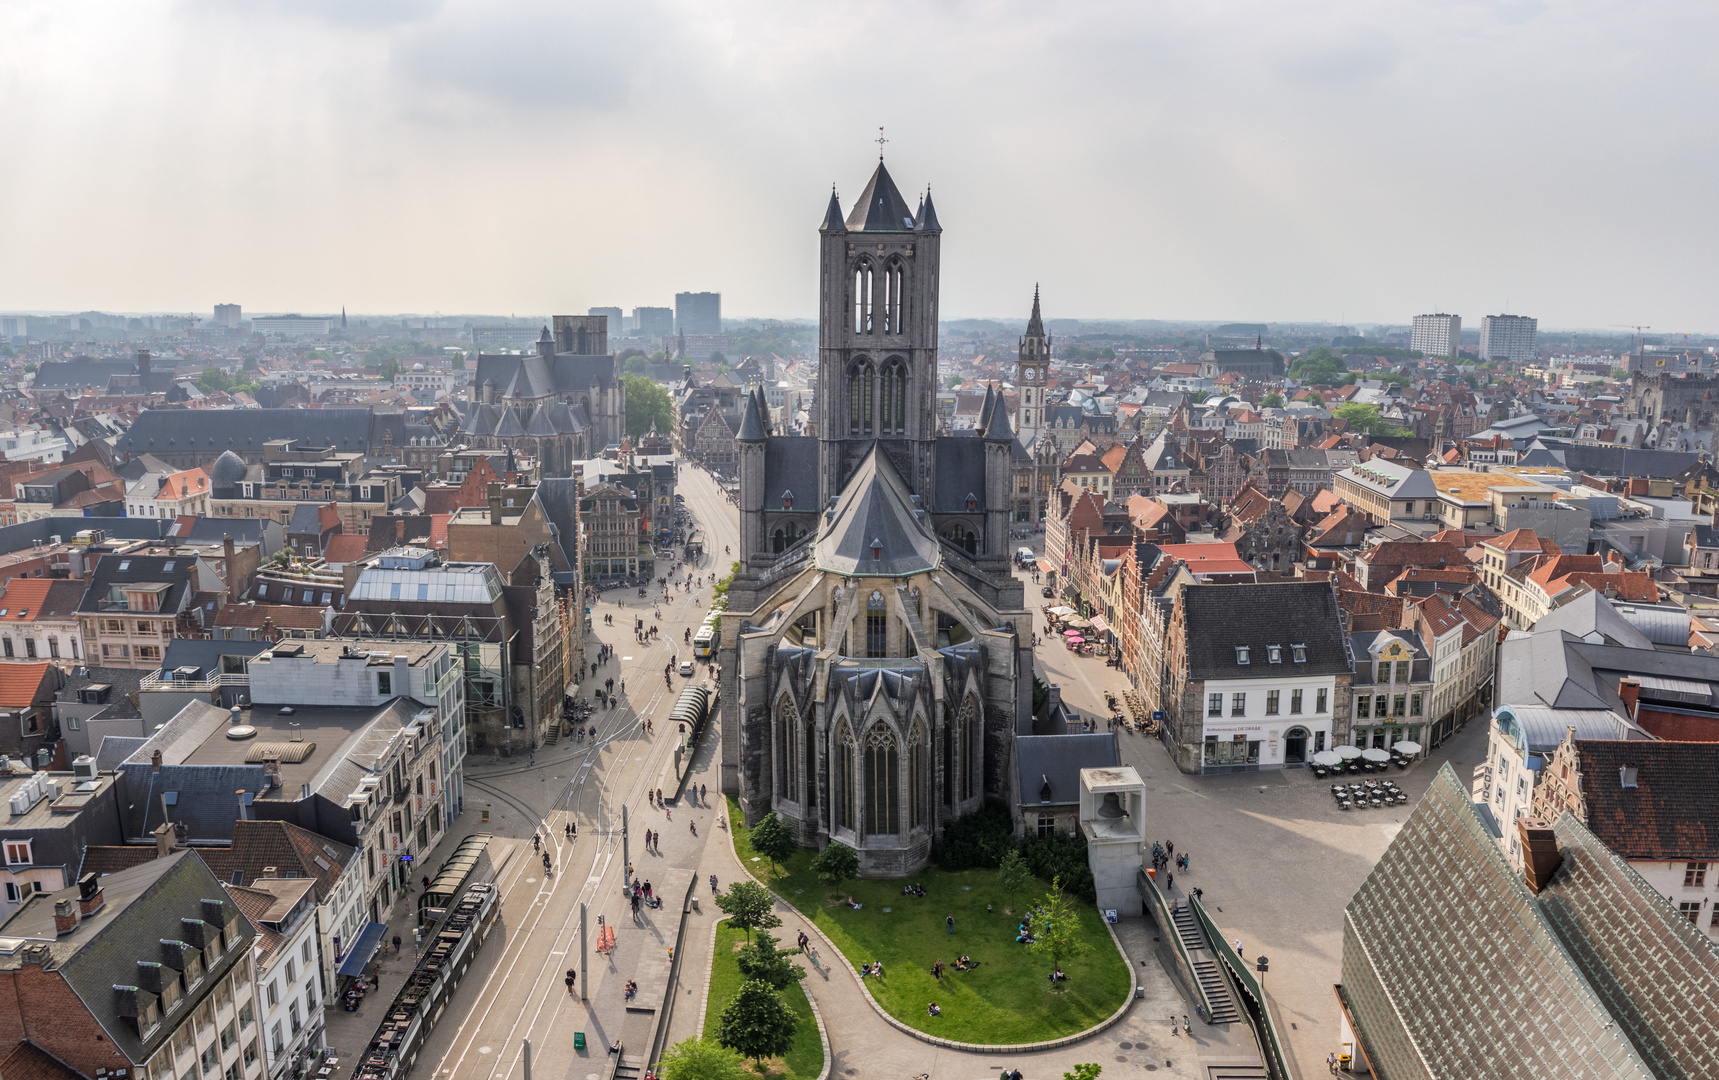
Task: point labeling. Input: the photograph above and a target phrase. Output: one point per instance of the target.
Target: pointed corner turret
(985, 409)
(751, 427)
(998, 429)
(833, 216)
(927, 220)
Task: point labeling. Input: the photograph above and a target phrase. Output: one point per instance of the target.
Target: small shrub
(976, 841)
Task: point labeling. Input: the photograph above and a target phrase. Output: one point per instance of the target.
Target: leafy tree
(1056, 927)
(761, 960)
(836, 864)
(719, 592)
(1013, 876)
(757, 1023)
(951, 382)
(635, 364)
(1617, 373)
(460, 365)
(30, 367)
(1315, 397)
(1365, 419)
(748, 905)
(773, 839)
(214, 381)
(1271, 401)
(1199, 396)
(389, 370)
(718, 359)
(1087, 1071)
(702, 1059)
(647, 404)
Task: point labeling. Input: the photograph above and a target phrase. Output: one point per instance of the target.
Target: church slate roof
(876, 505)
(1626, 461)
(960, 468)
(791, 464)
(244, 430)
(880, 207)
(1055, 761)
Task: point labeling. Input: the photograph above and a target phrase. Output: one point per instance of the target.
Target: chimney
(1540, 855)
(227, 550)
(1630, 691)
(244, 810)
(65, 917)
(163, 839)
(271, 772)
(495, 504)
(89, 895)
(155, 761)
(1054, 699)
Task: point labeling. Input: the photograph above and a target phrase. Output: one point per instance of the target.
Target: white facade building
(288, 969)
(1437, 335)
(1508, 337)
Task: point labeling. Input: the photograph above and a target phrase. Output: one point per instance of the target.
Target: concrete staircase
(1237, 1072)
(554, 735)
(1205, 965)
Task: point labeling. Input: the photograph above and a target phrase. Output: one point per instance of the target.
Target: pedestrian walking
(949, 921)
(396, 943)
(531, 758)
(1238, 947)
(1170, 880)
(572, 977)
(1331, 1063)
(1170, 847)
(701, 793)
(1185, 1025)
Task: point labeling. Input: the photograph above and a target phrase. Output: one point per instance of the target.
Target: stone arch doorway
(1295, 746)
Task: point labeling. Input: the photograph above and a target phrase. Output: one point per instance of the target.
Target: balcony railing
(155, 680)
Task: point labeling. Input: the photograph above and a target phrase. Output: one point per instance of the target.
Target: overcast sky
(1351, 159)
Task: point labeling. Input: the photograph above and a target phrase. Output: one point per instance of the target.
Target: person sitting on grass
(877, 968)
(855, 904)
(1056, 975)
(934, 1009)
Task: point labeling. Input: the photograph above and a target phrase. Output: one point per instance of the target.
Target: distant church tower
(1032, 372)
(877, 340)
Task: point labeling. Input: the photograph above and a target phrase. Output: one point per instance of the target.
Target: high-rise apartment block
(1508, 337)
(1436, 335)
(698, 312)
(227, 315)
(653, 322)
(617, 322)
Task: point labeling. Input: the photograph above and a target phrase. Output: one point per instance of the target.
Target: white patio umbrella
(1375, 755)
(1407, 748)
(1327, 757)
(1347, 753)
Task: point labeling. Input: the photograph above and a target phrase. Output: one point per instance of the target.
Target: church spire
(927, 219)
(833, 216)
(1036, 324)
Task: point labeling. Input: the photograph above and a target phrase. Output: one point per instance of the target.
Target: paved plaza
(1277, 859)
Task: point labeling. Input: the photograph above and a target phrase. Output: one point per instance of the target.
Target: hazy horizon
(1353, 164)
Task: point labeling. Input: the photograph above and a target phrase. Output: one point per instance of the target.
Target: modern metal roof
(449, 583)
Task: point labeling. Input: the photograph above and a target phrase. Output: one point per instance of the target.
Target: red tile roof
(344, 549)
(21, 684)
(1672, 811)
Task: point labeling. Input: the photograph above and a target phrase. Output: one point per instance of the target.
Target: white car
(686, 667)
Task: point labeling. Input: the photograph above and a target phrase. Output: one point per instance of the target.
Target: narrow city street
(516, 990)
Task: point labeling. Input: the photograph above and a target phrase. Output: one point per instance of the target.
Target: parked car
(1047, 592)
(686, 667)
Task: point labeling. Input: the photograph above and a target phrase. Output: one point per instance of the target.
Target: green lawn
(1008, 1000)
(806, 1059)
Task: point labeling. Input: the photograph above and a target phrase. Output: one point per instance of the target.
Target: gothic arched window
(893, 307)
(876, 625)
(787, 725)
(862, 297)
(893, 418)
(882, 781)
(844, 778)
(859, 399)
(970, 745)
(809, 779)
(918, 775)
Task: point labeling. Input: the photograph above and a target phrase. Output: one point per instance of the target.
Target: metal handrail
(1238, 970)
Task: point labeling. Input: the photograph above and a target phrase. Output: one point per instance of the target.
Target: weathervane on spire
(880, 141)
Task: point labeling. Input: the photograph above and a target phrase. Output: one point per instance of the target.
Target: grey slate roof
(1593, 618)
(143, 906)
(559, 497)
(880, 207)
(1221, 617)
(1056, 760)
(1162, 456)
(1557, 669)
(244, 430)
(791, 464)
(1595, 977)
(876, 505)
(205, 654)
(140, 568)
(1624, 461)
(28, 533)
(80, 374)
(960, 472)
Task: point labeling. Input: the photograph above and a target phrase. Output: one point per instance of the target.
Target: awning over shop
(1045, 566)
(1100, 625)
(369, 940)
(1059, 611)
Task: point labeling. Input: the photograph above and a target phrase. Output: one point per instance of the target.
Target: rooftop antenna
(880, 141)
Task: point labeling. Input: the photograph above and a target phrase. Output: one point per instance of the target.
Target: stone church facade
(876, 657)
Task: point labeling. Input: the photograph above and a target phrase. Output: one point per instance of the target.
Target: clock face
(1031, 374)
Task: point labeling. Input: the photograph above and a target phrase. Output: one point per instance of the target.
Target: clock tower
(1032, 374)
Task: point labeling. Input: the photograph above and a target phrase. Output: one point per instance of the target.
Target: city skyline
(1242, 164)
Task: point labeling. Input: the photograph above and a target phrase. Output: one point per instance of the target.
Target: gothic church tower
(877, 336)
(1032, 372)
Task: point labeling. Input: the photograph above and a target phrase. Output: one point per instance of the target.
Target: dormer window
(1242, 654)
(972, 502)
(1274, 654)
(787, 500)
(1299, 652)
(877, 548)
